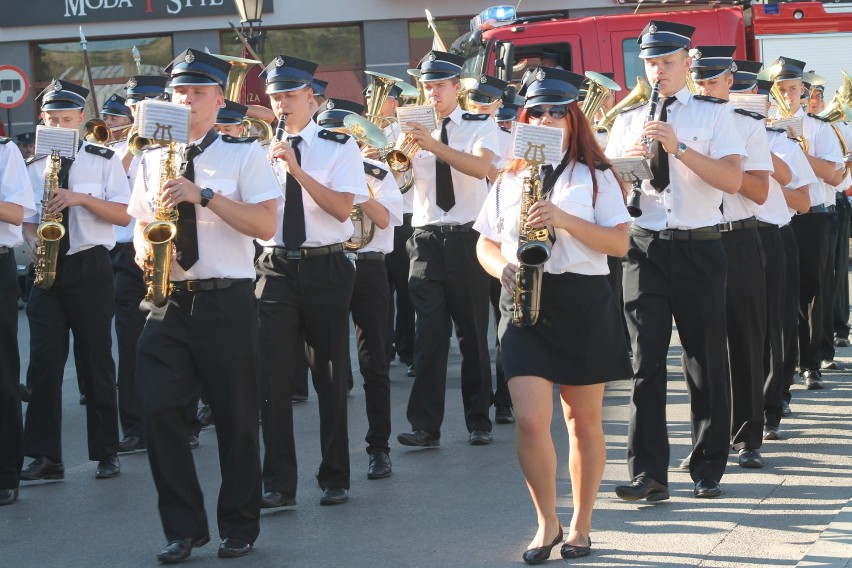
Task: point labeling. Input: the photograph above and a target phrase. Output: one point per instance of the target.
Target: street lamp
(251, 12)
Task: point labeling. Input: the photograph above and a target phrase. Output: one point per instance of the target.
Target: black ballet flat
(571, 551)
(542, 553)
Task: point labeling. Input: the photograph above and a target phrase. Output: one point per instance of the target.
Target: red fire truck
(504, 44)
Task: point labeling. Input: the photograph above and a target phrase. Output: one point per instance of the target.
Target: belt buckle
(666, 235)
(190, 285)
(293, 254)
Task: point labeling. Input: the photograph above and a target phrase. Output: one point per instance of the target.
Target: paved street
(461, 506)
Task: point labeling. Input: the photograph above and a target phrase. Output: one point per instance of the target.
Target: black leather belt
(739, 225)
(765, 225)
(5, 250)
(372, 255)
(207, 284)
(700, 234)
(466, 228)
(829, 208)
(817, 209)
(307, 252)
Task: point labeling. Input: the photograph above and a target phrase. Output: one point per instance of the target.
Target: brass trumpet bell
(364, 131)
(96, 131)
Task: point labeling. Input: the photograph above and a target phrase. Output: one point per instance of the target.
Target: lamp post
(251, 14)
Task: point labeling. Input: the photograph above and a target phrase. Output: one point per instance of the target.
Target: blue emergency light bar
(493, 17)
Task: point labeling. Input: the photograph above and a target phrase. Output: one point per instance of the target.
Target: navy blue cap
(745, 77)
(763, 87)
(549, 86)
(711, 61)
(487, 90)
(25, 138)
(63, 95)
(116, 107)
(511, 102)
(662, 38)
(332, 112)
(193, 67)
(785, 69)
(394, 92)
(287, 73)
(438, 65)
(232, 113)
(319, 86)
(141, 87)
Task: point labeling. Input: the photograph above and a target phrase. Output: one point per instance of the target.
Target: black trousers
(812, 234)
(501, 388)
(790, 318)
(684, 280)
(369, 307)
(202, 340)
(828, 288)
(129, 321)
(11, 421)
(304, 302)
(80, 300)
(448, 285)
(615, 279)
(841, 270)
(401, 313)
(773, 347)
(745, 309)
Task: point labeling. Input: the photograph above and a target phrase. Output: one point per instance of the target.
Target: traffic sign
(14, 86)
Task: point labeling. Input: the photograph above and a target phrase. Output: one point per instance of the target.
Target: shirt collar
(683, 96)
(455, 116)
(307, 133)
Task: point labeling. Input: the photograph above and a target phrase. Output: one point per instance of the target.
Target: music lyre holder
(633, 170)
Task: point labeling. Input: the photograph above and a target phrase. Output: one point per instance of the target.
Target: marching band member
(205, 336)
(578, 343)
(92, 198)
(676, 266)
(305, 285)
(26, 144)
(16, 203)
(229, 119)
(117, 116)
(446, 283)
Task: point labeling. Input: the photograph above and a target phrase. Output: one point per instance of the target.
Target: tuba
(639, 95)
(160, 234)
(380, 88)
(599, 87)
(366, 234)
(233, 87)
(367, 134)
(50, 230)
(533, 250)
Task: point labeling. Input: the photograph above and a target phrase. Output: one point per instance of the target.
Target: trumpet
(97, 131)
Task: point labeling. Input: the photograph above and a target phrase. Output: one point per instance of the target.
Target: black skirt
(578, 339)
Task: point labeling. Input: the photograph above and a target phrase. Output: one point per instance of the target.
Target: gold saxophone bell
(640, 94)
(599, 87)
(160, 234)
(96, 131)
(50, 229)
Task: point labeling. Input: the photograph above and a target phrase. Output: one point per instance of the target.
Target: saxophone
(160, 234)
(533, 251)
(50, 229)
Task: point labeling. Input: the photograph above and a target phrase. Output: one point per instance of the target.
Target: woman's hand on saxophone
(544, 213)
(507, 279)
(179, 190)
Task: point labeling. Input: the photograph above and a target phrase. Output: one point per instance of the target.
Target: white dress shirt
(753, 133)
(775, 209)
(125, 234)
(688, 202)
(466, 136)
(15, 187)
(238, 171)
(386, 192)
(502, 155)
(846, 132)
(96, 175)
(572, 193)
(338, 167)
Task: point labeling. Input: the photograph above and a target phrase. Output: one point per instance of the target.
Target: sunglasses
(555, 112)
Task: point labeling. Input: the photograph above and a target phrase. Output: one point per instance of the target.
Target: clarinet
(636, 192)
(279, 129)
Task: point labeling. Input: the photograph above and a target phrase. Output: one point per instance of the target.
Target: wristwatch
(206, 195)
(681, 150)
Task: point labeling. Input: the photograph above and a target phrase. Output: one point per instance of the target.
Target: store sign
(42, 12)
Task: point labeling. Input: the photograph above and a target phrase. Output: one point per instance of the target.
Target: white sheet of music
(632, 168)
(535, 143)
(163, 121)
(794, 123)
(63, 140)
(423, 114)
(751, 102)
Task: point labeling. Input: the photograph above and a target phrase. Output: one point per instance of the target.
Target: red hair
(582, 146)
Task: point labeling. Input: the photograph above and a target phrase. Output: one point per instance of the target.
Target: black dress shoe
(42, 468)
(108, 468)
(771, 434)
(419, 438)
(380, 465)
(205, 416)
(276, 500)
(234, 548)
(8, 496)
(828, 365)
(334, 496)
(812, 380)
(480, 438)
(504, 415)
(750, 459)
(841, 342)
(131, 444)
(707, 488)
(179, 550)
(785, 408)
(410, 371)
(542, 553)
(571, 551)
(193, 441)
(643, 488)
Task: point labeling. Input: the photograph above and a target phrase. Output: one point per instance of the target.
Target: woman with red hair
(577, 343)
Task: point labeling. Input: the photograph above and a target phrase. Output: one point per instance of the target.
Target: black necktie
(294, 209)
(64, 171)
(546, 172)
(445, 195)
(660, 161)
(186, 240)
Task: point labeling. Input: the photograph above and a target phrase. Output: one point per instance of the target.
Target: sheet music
(50, 138)
(632, 168)
(787, 123)
(163, 121)
(536, 143)
(423, 114)
(751, 102)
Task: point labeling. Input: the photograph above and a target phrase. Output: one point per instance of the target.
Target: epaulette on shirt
(705, 98)
(238, 139)
(754, 115)
(375, 171)
(4, 140)
(101, 151)
(472, 116)
(35, 158)
(818, 117)
(632, 107)
(778, 130)
(338, 137)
